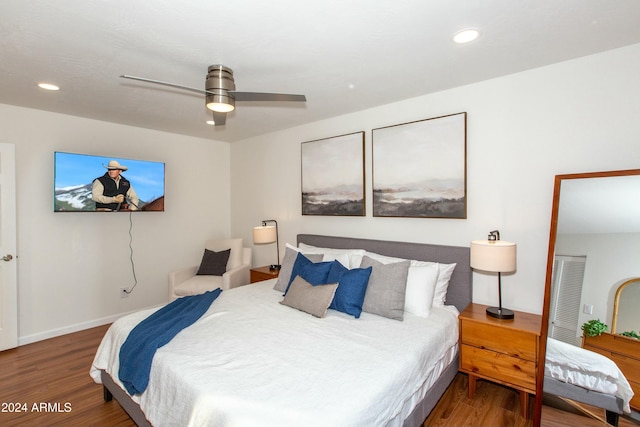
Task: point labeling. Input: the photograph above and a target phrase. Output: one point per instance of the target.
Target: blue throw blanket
(136, 354)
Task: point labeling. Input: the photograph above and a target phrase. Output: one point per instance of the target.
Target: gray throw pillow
(213, 263)
(314, 300)
(289, 259)
(386, 289)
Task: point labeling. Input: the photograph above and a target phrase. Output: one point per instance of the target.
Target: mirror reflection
(597, 242)
(595, 253)
(626, 309)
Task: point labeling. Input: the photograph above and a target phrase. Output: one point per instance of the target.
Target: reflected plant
(594, 327)
(630, 334)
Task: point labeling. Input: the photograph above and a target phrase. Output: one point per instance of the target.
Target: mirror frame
(547, 286)
(616, 303)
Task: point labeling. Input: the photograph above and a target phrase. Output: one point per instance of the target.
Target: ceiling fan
(220, 92)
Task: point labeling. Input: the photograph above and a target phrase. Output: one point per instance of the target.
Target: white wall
(522, 130)
(72, 265)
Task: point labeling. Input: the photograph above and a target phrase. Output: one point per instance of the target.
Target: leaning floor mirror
(591, 312)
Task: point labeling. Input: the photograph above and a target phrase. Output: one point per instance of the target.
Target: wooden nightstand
(259, 274)
(502, 351)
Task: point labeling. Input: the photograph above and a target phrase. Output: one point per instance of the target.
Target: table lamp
(496, 256)
(268, 234)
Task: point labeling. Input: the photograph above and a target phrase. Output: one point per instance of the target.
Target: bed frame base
(431, 399)
(612, 418)
(569, 392)
(106, 394)
(111, 390)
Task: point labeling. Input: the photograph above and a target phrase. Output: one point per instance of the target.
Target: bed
(374, 371)
(584, 376)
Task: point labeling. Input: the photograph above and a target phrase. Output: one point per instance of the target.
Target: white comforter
(252, 361)
(587, 369)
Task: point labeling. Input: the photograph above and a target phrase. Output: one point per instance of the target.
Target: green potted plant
(631, 334)
(593, 328)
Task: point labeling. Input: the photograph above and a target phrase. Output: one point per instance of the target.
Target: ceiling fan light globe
(220, 107)
(220, 103)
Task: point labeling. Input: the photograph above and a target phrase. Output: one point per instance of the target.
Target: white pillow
(441, 285)
(444, 275)
(341, 258)
(354, 256)
(421, 286)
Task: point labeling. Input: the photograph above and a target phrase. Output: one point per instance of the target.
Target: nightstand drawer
(500, 339)
(498, 366)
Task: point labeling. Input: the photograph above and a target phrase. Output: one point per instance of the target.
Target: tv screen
(87, 183)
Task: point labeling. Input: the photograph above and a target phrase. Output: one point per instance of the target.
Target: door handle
(7, 257)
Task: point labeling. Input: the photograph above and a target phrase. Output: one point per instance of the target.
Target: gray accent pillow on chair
(213, 263)
(235, 257)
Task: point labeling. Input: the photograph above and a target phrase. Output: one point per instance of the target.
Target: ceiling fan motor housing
(219, 82)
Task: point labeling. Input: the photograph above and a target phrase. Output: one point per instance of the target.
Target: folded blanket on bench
(136, 354)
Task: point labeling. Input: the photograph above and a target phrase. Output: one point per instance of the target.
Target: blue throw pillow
(314, 273)
(352, 287)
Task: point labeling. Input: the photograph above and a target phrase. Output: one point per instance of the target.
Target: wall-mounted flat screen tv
(88, 183)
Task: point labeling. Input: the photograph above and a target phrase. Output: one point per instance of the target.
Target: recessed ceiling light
(210, 122)
(48, 86)
(466, 36)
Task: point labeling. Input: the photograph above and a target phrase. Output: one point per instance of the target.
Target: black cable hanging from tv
(133, 265)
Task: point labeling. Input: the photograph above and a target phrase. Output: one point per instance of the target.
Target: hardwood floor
(49, 383)
(498, 406)
(493, 405)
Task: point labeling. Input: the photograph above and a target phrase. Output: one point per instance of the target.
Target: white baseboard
(28, 339)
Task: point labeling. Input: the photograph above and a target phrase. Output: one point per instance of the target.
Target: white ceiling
(345, 56)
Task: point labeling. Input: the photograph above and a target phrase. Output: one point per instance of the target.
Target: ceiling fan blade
(219, 89)
(219, 118)
(259, 96)
(158, 82)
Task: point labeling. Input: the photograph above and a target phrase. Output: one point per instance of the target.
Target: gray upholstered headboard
(460, 290)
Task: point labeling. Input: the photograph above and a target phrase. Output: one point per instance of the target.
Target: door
(8, 276)
(566, 291)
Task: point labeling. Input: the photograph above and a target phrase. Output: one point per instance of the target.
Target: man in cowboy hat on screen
(112, 191)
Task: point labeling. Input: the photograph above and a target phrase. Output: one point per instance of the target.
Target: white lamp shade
(496, 256)
(264, 234)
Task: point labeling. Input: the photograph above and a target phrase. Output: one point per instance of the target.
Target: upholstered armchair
(186, 281)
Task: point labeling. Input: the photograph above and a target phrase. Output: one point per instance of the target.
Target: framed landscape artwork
(419, 169)
(333, 176)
